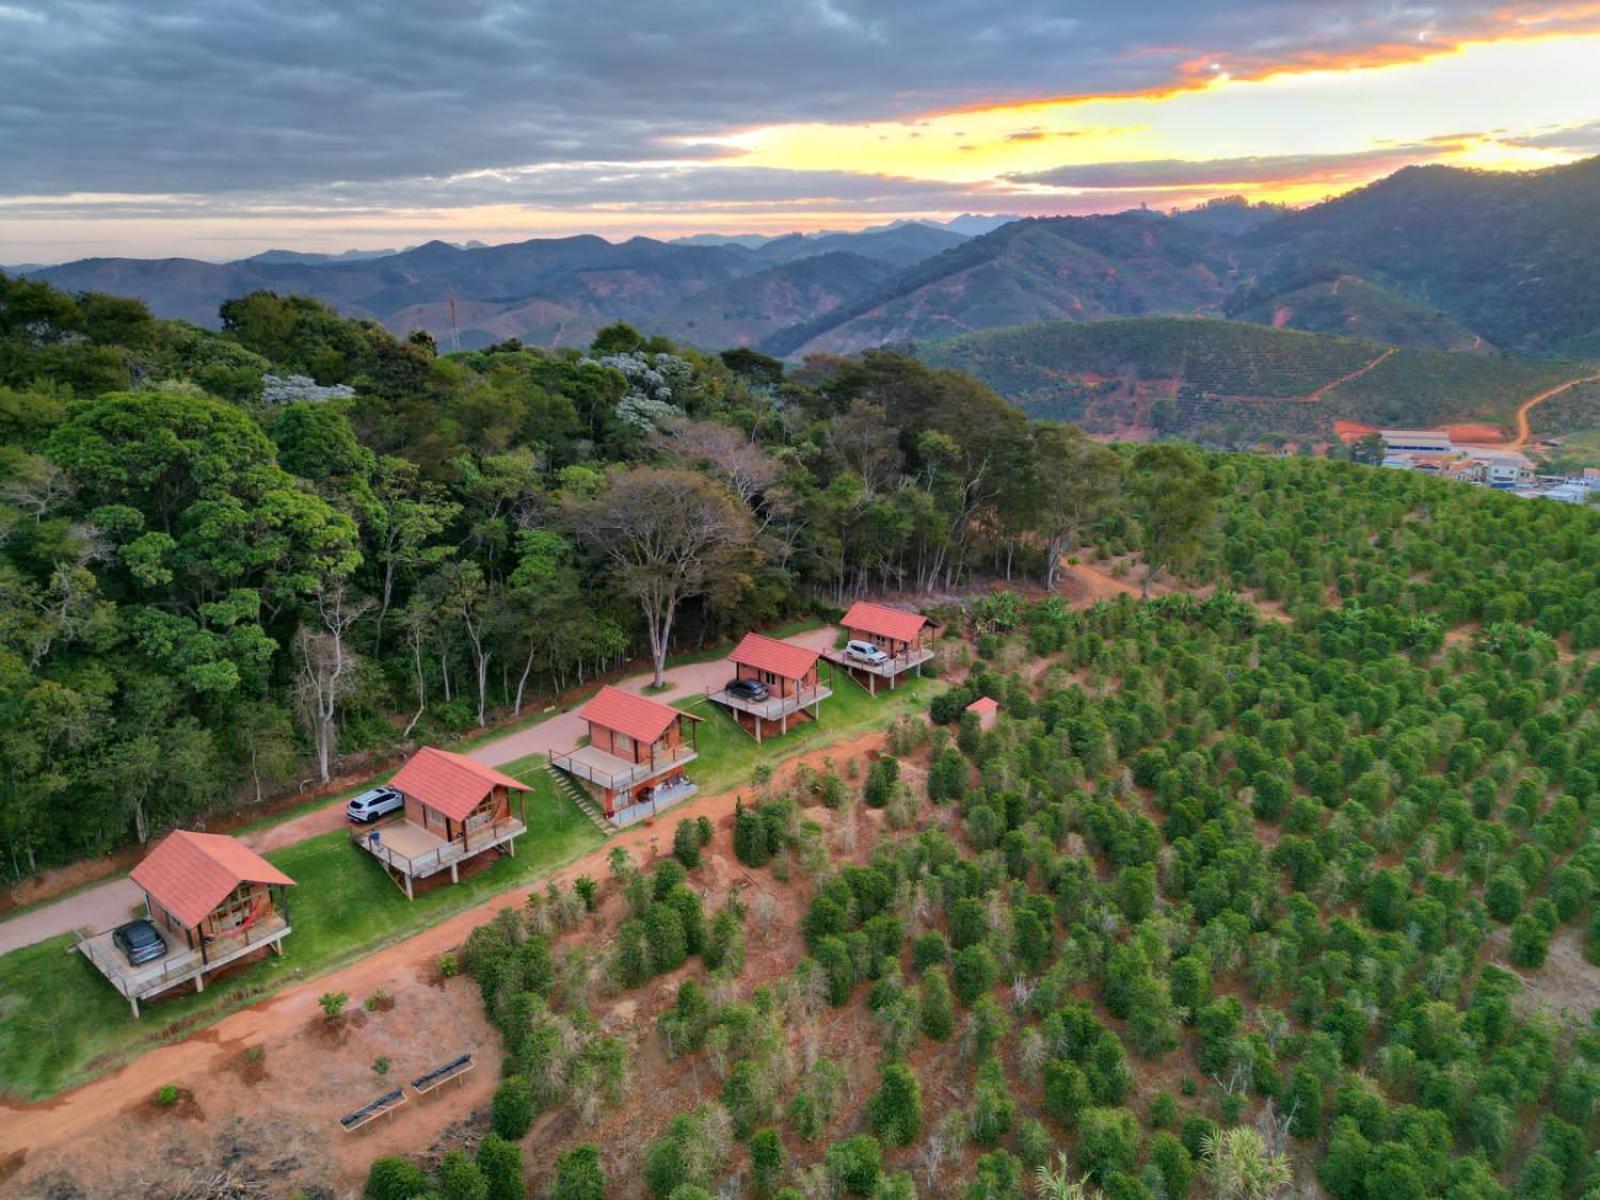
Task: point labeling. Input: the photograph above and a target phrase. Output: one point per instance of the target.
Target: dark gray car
(747, 689)
(140, 941)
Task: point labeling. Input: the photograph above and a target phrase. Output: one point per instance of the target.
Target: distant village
(1434, 452)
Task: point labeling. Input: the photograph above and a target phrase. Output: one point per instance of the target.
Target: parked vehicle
(867, 652)
(370, 805)
(140, 941)
(747, 689)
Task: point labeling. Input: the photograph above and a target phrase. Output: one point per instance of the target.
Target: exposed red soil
(1352, 431)
(1476, 435)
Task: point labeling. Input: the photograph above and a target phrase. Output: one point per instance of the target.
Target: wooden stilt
(409, 894)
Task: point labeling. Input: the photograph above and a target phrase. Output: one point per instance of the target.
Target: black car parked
(747, 689)
(141, 941)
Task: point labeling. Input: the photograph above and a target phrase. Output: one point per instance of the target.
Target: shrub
(1530, 942)
(930, 950)
(936, 1014)
(460, 1178)
(882, 777)
(578, 1175)
(686, 844)
(895, 1110)
(766, 1162)
(512, 1110)
(664, 936)
(855, 1164)
(381, 1064)
(449, 965)
(332, 1003)
(167, 1095)
(974, 974)
(588, 891)
(501, 1164)
(1108, 1140)
(394, 1178)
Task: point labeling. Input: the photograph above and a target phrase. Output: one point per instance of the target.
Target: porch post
(134, 1000)
(455, 875)
(200, 982)
(409, 895)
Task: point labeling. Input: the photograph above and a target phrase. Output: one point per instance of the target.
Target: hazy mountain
(1074, 268)
(279, 258)
(897, 245)
(552, 290)
(744, 311)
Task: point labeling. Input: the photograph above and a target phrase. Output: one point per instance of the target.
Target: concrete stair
(570, 788)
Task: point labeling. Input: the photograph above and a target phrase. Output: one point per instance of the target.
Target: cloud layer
(255, 106)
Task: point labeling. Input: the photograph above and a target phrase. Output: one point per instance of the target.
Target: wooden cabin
(636, 753)
(906, 637)
(456, 808)
(212, 899)
(792, 677)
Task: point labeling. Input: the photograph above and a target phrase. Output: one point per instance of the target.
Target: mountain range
(1432, 258)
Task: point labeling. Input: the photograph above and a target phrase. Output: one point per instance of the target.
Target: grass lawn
(61, 1022)
(729, 755)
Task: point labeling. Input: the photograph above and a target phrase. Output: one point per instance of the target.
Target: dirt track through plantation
(1344, 379)
(1524, 429)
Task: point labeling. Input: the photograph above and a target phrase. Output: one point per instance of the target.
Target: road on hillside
(1524, 429)
(114, 901)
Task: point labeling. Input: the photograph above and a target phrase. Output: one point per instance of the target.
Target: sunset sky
(218, 130)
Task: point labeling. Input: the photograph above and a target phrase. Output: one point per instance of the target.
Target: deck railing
(631, 775)
(477, 840)
(773, 706)
(179, 966)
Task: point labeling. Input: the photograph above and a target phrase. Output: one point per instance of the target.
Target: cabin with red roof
(903, 640)
(211, 901)
(636, 751)
(988, 710)
(456, 809)
(789, 683)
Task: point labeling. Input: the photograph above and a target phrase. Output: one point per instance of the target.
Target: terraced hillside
(1349, 306)
(1197, 377)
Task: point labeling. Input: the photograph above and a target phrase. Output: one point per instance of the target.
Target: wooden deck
(412, 852)
(773, 708)
(897, 665)
(618, 774)
(180, 965)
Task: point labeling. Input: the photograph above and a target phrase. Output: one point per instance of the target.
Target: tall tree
(1078, 479)
(669, 536)
(1175, 495)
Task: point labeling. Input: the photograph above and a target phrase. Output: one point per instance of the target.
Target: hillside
(1206, 377)
(1350, 306)
(1511, 256)
(1069, 268)
(746, 310)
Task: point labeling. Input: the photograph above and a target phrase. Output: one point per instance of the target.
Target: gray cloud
(1222, 172)
(1573, 139)
(273, 96)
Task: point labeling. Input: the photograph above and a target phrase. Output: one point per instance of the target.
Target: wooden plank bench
(370, 1112)
(454, 1069)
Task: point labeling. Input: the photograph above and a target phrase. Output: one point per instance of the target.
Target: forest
(1280, 884)
(232, 563)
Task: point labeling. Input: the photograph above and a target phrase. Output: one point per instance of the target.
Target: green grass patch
(729, 755)
(61, 1021)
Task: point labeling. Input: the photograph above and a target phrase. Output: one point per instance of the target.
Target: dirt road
(109, 903)
(1343, 379)
(1524, 429)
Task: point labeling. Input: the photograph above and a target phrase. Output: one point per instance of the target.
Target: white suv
(378, 802)
(867, 652)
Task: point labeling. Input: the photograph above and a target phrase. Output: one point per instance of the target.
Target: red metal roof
(642, 719)
(189, 874)
(450, 784)
(769, 654)
(984, 704)
(884, 621)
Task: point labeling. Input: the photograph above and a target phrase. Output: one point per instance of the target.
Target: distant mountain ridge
(1431, 258)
